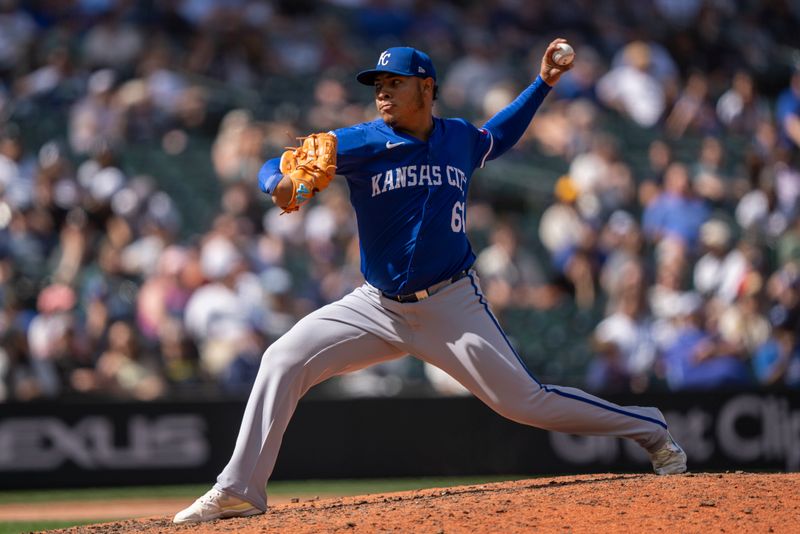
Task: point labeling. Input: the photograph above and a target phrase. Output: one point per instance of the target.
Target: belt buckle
(422, 294)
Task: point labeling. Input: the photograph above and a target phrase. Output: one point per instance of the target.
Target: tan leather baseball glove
(311, 167)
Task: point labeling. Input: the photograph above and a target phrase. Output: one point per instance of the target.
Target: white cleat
(669, 459)
(215, 504)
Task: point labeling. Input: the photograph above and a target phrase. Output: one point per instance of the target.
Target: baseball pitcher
(408, 173)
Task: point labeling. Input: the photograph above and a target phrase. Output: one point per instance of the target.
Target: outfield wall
(79, 444)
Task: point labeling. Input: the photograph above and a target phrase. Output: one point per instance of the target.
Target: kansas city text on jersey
(417, 175)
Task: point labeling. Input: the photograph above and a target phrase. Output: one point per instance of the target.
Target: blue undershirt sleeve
(508, 125)
(270, 175)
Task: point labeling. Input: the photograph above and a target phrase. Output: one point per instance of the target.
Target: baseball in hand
(563, 55)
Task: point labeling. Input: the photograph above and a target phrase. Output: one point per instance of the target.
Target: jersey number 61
(458, 221)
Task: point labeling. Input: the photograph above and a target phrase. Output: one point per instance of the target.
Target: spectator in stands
(3, 101)
(787, 111)
(579, 268)
(709, 178)
(18, 379)
(29, 246)
(719, 265)
(510, 276)
(624, 342)
(180, 359)
(281, 308)
(96, 120)
(561, 225)
(54, 340)
(17, 32)
(159, 83)
(108, 293)
(236, 152)
(123, 369)
(565, 129)
(331, 243)
(162, 295)
(239, 375)
(470, 77)
(5, 373)
(621, 243)
(665, 295)
(777, 361)
(165, 85)
(755, 209)
(219, 314)
(112, 42)
(660, 64)
(693, 110)
(571, 242)
(741, 324)
(741, 109)
(787, 185)
(332, 108)
(17, 168)
(741, 270)
(659, 158)
(53, 75)
(581, 80)
(603, 180)
(676, 213)
(631, 89)
(788, 247)
(73, 245)
(699, 359)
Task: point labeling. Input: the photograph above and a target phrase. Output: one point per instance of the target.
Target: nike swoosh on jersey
(389, 144)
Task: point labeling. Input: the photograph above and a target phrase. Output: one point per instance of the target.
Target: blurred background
(642, 236)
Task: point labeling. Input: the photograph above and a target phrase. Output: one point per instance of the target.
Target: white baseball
(564, 54)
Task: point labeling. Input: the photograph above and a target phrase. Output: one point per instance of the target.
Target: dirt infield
(725, 502)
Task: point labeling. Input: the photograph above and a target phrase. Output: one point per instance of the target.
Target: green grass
(282, 488)
(326, 488)
(100, 494)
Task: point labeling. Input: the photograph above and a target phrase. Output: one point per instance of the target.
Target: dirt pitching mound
(729, 502)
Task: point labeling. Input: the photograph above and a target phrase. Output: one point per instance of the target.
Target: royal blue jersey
(410, 195)
(410, 199)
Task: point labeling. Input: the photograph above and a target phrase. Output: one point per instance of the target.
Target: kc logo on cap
(401, 60)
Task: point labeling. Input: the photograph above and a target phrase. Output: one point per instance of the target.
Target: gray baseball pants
(453, 330)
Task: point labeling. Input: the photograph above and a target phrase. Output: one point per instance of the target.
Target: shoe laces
(210, 496)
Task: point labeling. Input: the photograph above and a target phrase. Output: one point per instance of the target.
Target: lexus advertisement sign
(83, 444)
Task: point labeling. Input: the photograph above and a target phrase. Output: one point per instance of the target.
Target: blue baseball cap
(402, 60)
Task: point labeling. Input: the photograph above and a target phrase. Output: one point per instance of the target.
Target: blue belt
(422, 294)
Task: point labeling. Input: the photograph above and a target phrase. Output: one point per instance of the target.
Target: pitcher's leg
(471, 347)
(330, 341)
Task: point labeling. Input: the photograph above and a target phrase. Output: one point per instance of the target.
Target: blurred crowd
(688, 254)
